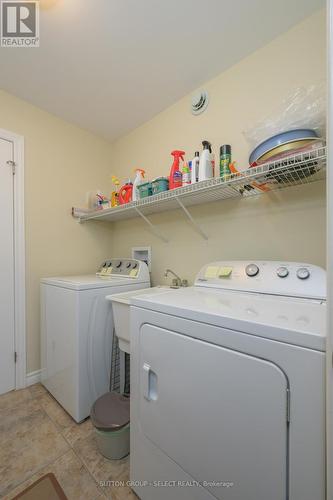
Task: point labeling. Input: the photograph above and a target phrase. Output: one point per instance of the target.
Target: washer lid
(88, 281)
(110, 412)
(295, 321)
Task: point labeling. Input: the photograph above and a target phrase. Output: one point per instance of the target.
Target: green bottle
(225, 160)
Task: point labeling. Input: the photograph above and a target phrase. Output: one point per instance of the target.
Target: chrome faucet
(177, 281)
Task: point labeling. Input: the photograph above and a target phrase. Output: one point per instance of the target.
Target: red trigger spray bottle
(175, 179)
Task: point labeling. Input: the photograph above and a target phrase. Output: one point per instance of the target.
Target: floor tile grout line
(73, 449)
(90, 473)
(83, 463)
(47, 464)
(59, 431)
(70, 447)
(55, 423)
(18, 403)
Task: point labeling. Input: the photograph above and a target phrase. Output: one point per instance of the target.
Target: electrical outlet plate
(142, 253)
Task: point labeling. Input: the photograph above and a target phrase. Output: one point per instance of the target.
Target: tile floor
(37, 436)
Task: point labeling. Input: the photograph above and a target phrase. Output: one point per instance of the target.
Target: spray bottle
(139, 179)
(175, 179)
(205, 163)
(195, 168)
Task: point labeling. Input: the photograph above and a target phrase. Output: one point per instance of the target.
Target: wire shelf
(302, 168)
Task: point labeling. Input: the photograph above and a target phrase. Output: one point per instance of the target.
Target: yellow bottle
(114, 194)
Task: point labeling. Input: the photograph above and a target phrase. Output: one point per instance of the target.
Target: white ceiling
(110, 65)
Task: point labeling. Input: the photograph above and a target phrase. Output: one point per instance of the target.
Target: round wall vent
(199, 102)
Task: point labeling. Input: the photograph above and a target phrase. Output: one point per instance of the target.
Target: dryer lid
(295, 321)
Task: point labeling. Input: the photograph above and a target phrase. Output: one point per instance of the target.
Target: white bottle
(205, 164)
(139, 179)
(195, 168)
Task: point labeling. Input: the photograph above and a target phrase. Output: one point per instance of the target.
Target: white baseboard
(33, 378)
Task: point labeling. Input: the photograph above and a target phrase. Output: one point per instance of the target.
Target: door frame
(329, 257)
(19, 257)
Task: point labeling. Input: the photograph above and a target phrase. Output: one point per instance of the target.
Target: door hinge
(288, 405)
(12, 164)
(15, 357)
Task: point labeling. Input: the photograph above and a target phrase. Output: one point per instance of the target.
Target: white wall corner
(33, 378)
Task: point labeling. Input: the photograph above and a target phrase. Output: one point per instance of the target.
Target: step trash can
(110, 415)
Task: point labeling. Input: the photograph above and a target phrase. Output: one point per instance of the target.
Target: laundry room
(167, 248)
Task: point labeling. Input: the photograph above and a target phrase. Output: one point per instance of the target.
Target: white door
(218, 414)
(7, 342)
(329, 264)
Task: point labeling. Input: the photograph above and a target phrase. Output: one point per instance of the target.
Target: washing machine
(228, 385)
(77, 331)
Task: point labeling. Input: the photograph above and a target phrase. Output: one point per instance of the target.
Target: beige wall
(62, 162)
(288, 225)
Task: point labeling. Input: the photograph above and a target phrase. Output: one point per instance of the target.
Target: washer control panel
(252, 270)
(303, 273)
(291, 279)
(282, 272)
(128, 268)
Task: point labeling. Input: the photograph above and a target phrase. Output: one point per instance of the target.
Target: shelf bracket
(192, 221)
(152, 227)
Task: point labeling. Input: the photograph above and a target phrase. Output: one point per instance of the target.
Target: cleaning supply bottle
(205, 163)
(102, 201)
(195, 168)
(175, 179)
(114, 194)
(139, 179)
(125, 192)
(186, 175)
(225, 161)
(212, 157)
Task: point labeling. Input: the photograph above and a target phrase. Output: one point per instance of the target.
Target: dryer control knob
(118, 263)
(128, 265)
(282, 272)
(303, 273)
(252, 270)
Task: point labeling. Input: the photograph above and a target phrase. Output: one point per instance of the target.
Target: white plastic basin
(121, 312)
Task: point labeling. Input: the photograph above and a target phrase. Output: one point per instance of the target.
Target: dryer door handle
(149, 383)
